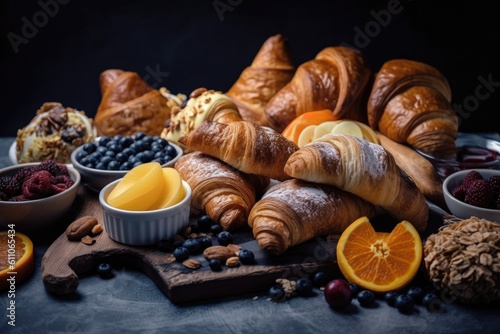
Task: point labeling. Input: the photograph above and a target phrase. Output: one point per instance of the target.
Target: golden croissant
(251, 148)
(271, 69)
(362, 168)
(129, 105)
(221, 191)
(295, 211)
(410, 104)
(335, 79)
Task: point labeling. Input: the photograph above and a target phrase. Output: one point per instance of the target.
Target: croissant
(335, 79)
(410, 103)
(364, 169)
(202, 105)
(221, 191)
(271, 69)
(295, 211)
(129, 105)
(251, 148)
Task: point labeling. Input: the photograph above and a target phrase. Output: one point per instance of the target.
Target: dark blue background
(193, 44)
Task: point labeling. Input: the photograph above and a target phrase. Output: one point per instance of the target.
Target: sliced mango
(139, 189)
(173, 190)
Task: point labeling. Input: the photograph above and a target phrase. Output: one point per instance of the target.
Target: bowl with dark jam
(473, 152)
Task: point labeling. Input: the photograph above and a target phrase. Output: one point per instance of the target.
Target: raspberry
(18, 198)
(459, 192)
(55, 168)
(470, 177)
(61, 182)
(38, 185)
(16, 182)
(479, 194)
(494, 184)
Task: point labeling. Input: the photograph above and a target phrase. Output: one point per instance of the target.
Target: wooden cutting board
(65, 260)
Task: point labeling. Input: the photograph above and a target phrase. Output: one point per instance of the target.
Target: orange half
(377, 261)
(17, 259)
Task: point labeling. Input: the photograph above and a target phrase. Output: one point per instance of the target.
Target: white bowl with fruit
(110, 158)
(149, 204)
(473, 192)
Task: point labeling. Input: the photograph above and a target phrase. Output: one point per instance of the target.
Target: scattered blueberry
(105, 270)
(355, 289)
(224, 238)
(192, 245)
(215, 265)
(320, 279)
(304, 286)
(215, 229)
(277, 294)
(205, 223)
(246, 256)
(205, 242)
(404, 303)
(432, 302)
(390, 297)
(366, 298)
(181, 254)
(177, 243)
(416, 293)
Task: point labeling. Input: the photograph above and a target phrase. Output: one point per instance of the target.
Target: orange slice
(378, 261)
(17, 258)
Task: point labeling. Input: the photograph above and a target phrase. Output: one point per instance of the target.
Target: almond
(233, 261)
(191, 264)
(221, 253)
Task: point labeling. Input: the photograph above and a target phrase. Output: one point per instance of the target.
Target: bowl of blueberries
(109, 158)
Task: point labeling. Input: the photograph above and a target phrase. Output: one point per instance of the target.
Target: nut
(235, 248)
(97, 229)
(191, 264)
(221, 253)
(233, 261)
(80, 227)
(88, 240)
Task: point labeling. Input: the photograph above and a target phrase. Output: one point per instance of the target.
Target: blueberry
(277, 294)
(354, 288)
(205, 242)
(304, 286)
(121, 157)
(181, 254)
(192, 245)
(416, 293)
(126, 166)
(215, 229)
(139, 135)
(125, 141)
(171, 151)
(390, 297)
(105, 270)
(366, 298)
(164, 245)
(432, 302)
(224, 238)
(204, 223)
(89, 148)
(114, 165)
(246, 256)
(104, 140)
(404, 303)
(320, 279)
(215, 264)
(177, 243)
(101, 166)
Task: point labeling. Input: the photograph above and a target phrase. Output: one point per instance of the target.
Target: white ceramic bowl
(96, 179)
(463, 210)
(36, 215)
(141, 228)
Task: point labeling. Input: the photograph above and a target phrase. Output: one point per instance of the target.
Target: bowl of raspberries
(474, 192)
(35, 195)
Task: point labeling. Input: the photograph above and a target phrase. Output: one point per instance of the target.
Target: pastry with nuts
(53, 134)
